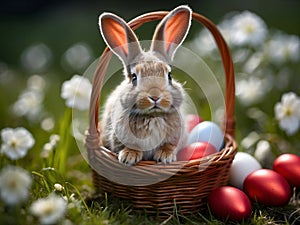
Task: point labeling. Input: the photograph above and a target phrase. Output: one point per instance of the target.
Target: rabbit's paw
(165, 154)
(129, 156)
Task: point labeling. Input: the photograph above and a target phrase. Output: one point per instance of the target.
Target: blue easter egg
(207, 131)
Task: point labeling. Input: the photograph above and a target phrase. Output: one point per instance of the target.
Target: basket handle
(92, 139)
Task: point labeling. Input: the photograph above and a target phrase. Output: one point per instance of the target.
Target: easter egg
(229, 203)
(288, 165)
(195, 151)
(191, 120)
(267, 187)
(242, 165)
(207, 131)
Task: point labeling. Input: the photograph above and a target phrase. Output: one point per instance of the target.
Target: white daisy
(288, 113)
(36, 83)
(47, 124)
(248, 141)
(29, 104)
(282, 48)
(226, 30)
(36, 58)
(54, 139)
(46, 150)
(203, 44)
(251, 90)
(14, 185)
(77, 92)
(50, 209)
(73, 202)
(78, 56)
(263, 153)
(253, 62)
(58, 187)
(248, 28)
(16, 142)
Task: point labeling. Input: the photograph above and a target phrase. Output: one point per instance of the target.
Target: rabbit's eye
(133, 79)
(170, 78)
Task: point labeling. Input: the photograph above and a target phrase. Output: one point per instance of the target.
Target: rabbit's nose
(154, 98)
(154, 94)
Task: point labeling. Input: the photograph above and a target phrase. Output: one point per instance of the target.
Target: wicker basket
(155, 187)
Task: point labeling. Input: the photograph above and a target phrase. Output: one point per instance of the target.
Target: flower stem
(61, 153)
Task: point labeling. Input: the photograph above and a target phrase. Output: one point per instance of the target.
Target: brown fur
(143, 118)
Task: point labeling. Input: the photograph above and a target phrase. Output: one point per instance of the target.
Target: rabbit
(143, 118)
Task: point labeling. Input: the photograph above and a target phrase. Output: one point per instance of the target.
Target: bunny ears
(168, 36)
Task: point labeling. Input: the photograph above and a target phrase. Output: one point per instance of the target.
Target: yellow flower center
(48, 210)
(13, 184)
(13, 143)
(249, 29)
(288, 111)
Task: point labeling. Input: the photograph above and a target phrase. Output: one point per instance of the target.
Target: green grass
(93, 208)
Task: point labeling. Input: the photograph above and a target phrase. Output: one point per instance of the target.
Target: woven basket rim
(93, 132)
(229, 146)
(105, 164)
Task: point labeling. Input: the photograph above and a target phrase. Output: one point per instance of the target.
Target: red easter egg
(191, 120)
(229, 203)
(267, 187)
(288, 165)
(195, 151)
